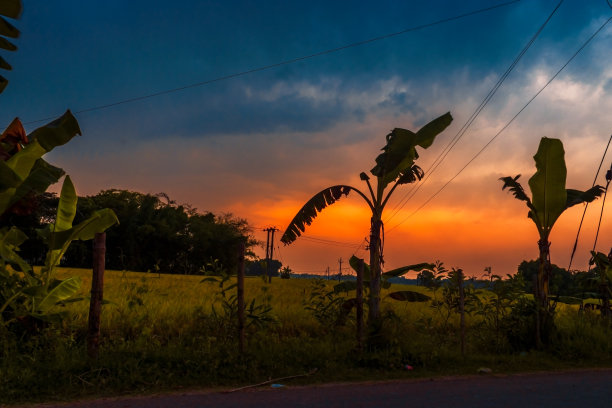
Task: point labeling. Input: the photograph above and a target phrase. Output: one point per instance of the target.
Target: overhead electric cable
(286, 62)
(461, 132)
(587, 205)
(505, 126)
(603, 203)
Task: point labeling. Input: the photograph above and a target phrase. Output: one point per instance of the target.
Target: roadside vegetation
(168, 332)
(179, 322)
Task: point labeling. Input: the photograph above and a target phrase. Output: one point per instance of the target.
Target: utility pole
(339, 269)
(270, 251)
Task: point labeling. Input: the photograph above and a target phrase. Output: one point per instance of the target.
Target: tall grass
(168, 331)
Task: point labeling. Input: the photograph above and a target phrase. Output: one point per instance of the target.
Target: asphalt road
(584, 388)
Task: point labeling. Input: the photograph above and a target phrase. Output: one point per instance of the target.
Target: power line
(286, 62)
(506, 126)
(587, 205)
(461, 132)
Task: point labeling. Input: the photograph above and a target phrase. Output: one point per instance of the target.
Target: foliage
(172, 341)
(395, 165)
(327, 306)
(258, 315)
(285, 273)
(549, 199)
(11, 9)
(154, 233)
(24, 294)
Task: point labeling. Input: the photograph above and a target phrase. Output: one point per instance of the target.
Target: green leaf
(400, 152)
(409, 296)
(64, 290)
(354, 263)
(38, 181)
(548, 193)
(404, 269)
(345, 286)
(66, 209)
(56, 133)
(59, 241)
(8, 177)
(10, 240)
(312, 208)
(568, 300)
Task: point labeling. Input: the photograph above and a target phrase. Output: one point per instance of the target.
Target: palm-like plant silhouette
(394, 167)
(549, 199)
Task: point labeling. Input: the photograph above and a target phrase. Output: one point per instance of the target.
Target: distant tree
(258, 267)
(285, 273)
(156, 234)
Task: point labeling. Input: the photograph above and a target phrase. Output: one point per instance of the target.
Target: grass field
(172, 331)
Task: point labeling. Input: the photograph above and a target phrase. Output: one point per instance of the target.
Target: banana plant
(394, 167)
(35, 294)
(23, 174)
(549, 199)
(402, 295)
(23, 171)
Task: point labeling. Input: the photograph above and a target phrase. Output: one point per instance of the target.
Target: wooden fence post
(240, 295)
(95, 303)
(359, 296)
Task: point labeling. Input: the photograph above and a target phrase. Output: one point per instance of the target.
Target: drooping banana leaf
(409, 296)
(400, 152)
(312, 208)
(548, 193)
(40, 178)
(568, 300)
(10, 240)
(517, 190)
(26, 162)
(578, 197)
(56, 133)
(354, 263)
(405, 269)
(99, 221)
(345, 286)
(62, 291)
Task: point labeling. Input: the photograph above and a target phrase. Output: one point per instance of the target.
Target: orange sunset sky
(160, 114)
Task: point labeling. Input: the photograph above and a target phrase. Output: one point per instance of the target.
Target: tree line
(154, 234)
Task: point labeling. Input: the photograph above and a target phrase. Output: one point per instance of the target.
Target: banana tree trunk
(541, 291)
(374, 320)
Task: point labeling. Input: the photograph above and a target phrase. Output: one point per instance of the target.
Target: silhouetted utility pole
(339, 269)
(270, 250)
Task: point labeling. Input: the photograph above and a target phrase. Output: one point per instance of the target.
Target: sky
(259, 145)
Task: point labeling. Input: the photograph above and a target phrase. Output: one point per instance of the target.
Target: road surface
(582, 388)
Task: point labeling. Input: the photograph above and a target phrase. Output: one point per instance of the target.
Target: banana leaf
(62, 291)
(548, 193)
(409, 296)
